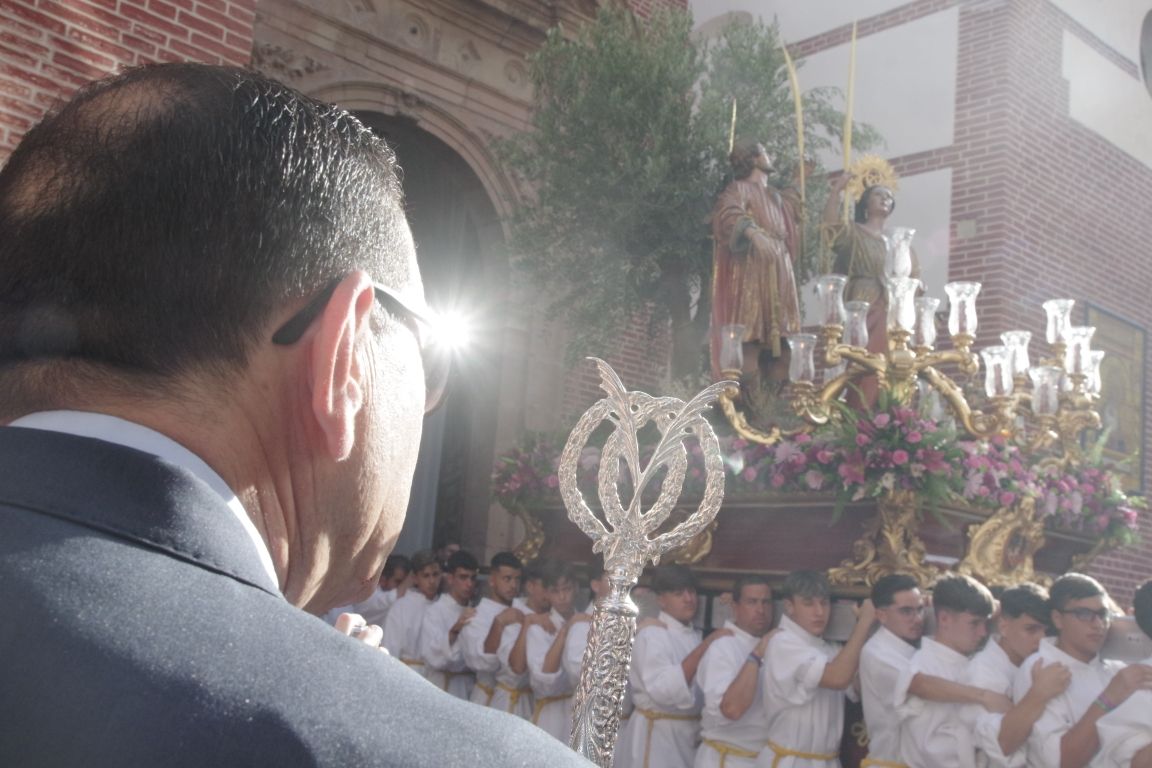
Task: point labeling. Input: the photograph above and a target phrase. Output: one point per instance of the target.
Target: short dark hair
(556, 571)
(961, 594)
(1025, 599)
(506, 560)
(885, 589)
(152, 225)
(461, 558)
(673, 578)
(743, 157)
(861, 210)
(1073, 586)
(1142, 606)
(395, 562)
(534, 571)
(423, 559)
(748, 581)
(805, 584)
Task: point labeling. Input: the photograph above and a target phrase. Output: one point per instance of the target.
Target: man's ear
(337, 373)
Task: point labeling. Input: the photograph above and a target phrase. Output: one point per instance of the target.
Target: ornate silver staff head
(625, 534)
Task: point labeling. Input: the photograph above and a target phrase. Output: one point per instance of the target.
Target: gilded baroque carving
(529, 547)
(890, 544)
(1000, 550)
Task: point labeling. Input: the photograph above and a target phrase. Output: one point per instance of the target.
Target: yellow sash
(725, 749)
(543, 702)
(488, 690)
(870, 761)
(653, 716)
(783, 752)
(514, 695)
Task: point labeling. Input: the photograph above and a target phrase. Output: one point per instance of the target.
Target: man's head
(963, 607)
(752, 604)
(426, 571)
(1023, 620)
(504, 577)
(1142, 607)
(461, 569)
(559, 586)
(748, 156)
(875, 202)
(532, 584)
(396, 571)
(157, 233)
(1079, 612)
(806, 596)
(675, 588)
(899, 606)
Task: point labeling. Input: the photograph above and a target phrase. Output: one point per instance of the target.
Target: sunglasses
(433, 356)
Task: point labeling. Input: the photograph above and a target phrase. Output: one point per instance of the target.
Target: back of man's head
(153, 224)
(461, 558)
(1025, 599)
(673, 578)
(886, 587)
(1073, 586)
(805, 584)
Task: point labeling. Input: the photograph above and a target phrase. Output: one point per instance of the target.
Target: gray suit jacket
(138, 629)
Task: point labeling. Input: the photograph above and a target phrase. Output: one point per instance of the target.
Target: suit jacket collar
(128, 494)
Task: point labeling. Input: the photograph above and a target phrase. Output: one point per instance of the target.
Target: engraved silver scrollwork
(625, 541)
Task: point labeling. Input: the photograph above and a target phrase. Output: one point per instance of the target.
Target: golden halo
(870, 171)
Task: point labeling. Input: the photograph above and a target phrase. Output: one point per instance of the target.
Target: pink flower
(881, 420)
(851, 473)
(814, 479)
(1007, 498)
(914, 437)
(825, 456)
(862, 439)
(552, 481)
(749, 474)
(777, 480)
(899, 457)
(803, 438)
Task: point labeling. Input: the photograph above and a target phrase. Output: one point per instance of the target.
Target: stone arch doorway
(460, 247)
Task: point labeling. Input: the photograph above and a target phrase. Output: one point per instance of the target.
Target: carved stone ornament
(623, 535)
(283, 62)
(890, 544)
(1000, 549)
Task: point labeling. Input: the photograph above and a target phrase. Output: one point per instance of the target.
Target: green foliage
(627, 151)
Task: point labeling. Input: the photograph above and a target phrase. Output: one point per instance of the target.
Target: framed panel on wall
(1121, 404)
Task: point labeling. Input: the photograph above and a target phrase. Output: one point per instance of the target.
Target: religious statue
(756, 229)
(861, 250)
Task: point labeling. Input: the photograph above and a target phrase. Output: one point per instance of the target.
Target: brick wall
(48, 48)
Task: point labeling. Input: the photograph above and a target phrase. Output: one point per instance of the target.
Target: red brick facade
(48, 48)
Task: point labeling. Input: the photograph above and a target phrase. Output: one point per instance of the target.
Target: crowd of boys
(1034, 693)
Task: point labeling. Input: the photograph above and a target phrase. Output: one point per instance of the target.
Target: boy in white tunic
(402, 627)
(1065, 736)
(1021, 625)
(394, 582)
(732, 721)
(940, 733)
(805, 677)
(541, 644)
(440, 645)
(665, 725)
(900, 613)
(488, 639)
(535, 596)
(1126, 732)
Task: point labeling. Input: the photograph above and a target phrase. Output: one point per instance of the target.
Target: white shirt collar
(737, 632)
(675, 624)
(895, 642)
(790, 626)
(111, 429)
(1068, 660)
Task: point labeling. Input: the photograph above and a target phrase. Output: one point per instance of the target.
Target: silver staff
(626, 546)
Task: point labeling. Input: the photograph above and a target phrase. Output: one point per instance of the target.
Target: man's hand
(865, 613)
(466, 616)
(510, 616)
(541, 620)
(995, 702)
(1134, 677)
(353, 625)
(1049, 681)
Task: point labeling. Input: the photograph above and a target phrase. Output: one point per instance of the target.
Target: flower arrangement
(1089, 499)
(996, 473)
(527, 474)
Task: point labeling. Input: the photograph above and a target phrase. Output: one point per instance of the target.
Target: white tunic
(552, 692)
(935, 734)
(444, 660)
(721, 663)
(663, 729)
(1064, 711)
(883, 659)
(801, 716)
(471, 643)
(992, 670)
(402, 628)
(1126, 730)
